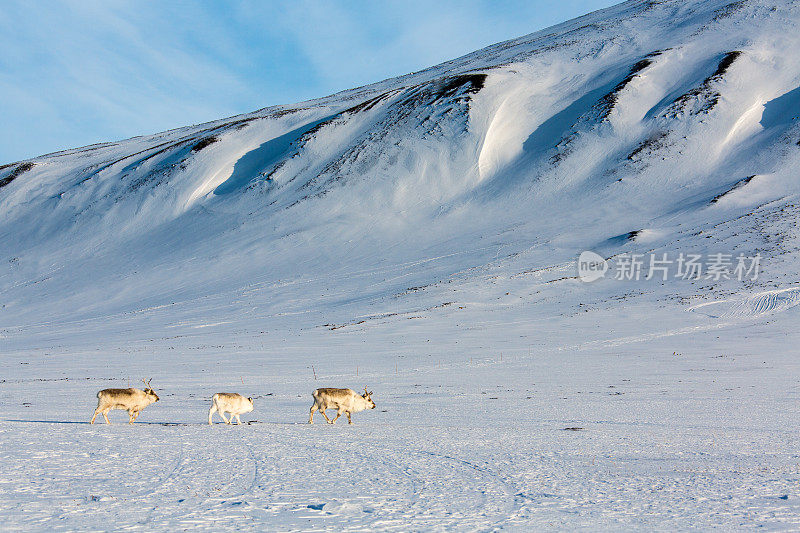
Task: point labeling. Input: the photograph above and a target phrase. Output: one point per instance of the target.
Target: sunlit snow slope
(676, 118)
(413, 232)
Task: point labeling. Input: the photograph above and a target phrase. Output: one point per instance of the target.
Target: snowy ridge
(593, 116)
(420, 235)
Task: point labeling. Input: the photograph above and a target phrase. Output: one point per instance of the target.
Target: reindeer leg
(238, 420)
(328, 420)
(338, 414)
(105, 415)
(348, 417)
(311, 414)
(211, 413)
(136, 415)
(96, 412)
(222, 414)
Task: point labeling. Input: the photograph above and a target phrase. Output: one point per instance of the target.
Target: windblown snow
(420, 236)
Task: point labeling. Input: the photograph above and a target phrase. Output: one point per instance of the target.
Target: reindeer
(345, 401)
(131, 400)
(232, 403)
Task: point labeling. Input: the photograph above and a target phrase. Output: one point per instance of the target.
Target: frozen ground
(419, 236)
(470, 437)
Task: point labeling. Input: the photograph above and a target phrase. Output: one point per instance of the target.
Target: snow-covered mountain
(436, 218)
(673, 120)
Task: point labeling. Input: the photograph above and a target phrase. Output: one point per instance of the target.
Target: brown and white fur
(345, 401)
(131, 400)
(226, 402)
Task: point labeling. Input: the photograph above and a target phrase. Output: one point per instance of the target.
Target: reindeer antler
(146, 382)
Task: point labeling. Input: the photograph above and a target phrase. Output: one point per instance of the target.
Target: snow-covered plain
(420, 236)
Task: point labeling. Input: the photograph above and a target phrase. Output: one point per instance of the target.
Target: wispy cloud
(73, 73)
(77, 72)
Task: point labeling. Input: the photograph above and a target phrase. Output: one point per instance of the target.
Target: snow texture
(419, 236)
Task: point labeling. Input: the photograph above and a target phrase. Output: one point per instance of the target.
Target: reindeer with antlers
(131, 400)
(345, 401)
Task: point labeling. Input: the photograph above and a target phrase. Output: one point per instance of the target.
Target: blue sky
(77, 72)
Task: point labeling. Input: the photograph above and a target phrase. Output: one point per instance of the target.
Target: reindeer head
(148, 390)
(368, 397)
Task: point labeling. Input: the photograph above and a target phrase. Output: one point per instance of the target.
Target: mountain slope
(628, 119)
